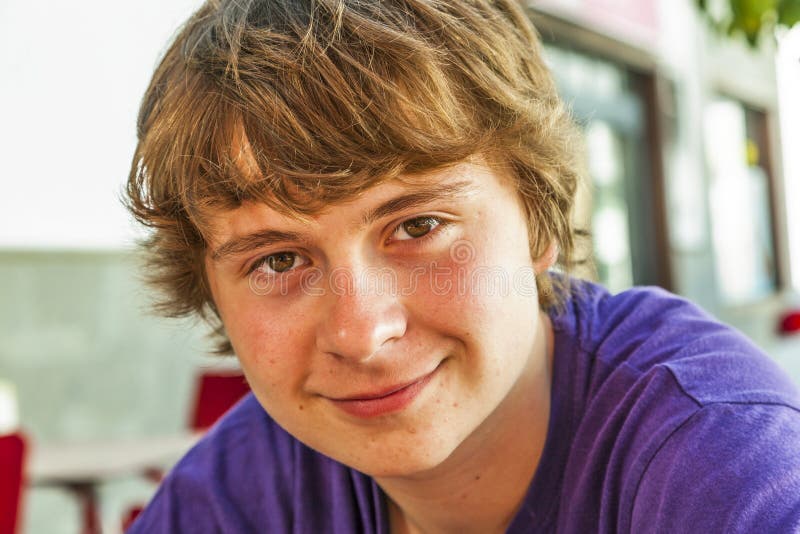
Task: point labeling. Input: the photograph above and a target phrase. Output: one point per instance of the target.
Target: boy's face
(384, 331)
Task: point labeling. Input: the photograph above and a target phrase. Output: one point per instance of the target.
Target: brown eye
(281, 262)
(420, 226)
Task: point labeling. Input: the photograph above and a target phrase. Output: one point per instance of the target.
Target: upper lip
(385, 392)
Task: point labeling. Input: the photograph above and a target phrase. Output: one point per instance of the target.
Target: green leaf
(749, 25)
(789, 12)
(752, 17)
(753, 9)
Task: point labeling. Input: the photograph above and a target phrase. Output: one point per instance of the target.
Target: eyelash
(441, 223)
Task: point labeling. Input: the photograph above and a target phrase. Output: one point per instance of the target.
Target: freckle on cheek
(455, 405)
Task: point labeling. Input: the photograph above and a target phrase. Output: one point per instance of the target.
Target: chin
(405, 469)
(403, 459)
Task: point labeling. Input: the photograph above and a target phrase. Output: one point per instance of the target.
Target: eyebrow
(416, 199)
(267, 237)
(262, 238)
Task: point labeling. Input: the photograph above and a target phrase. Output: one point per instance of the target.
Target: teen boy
(360, 196)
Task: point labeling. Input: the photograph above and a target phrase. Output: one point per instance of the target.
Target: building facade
(684, 155)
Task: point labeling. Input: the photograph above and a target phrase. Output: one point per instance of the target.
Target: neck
(480, 487)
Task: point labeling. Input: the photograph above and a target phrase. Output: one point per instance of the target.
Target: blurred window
(740, 193)
(609, 102)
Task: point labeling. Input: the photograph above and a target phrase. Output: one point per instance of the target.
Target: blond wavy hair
(329, 98)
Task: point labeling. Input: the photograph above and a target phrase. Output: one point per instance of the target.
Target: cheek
(474, 294)
(483, 294)
(270, 344)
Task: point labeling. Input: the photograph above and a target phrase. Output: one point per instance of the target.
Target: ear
(547, 259)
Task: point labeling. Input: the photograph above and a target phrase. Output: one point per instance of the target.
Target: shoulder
(653, 381)
(247, 474)
(728, 468)
(648, 330)
(238, 473)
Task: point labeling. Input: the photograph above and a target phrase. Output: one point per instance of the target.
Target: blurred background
(692, 148)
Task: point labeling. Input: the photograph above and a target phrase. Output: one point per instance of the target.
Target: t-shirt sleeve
(204, 495)
(237, 478)
(729, 468)
(247, 474)
(178, 506)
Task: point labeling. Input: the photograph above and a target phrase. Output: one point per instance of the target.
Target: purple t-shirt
(662, 420)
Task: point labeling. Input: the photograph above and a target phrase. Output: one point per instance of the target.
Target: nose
(362, 317)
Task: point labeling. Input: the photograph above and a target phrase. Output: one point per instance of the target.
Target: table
(81, 467)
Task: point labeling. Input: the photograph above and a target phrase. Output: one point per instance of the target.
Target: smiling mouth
(391, 400)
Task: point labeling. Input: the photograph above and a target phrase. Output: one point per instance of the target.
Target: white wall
(71, 78)
(73, 74)
(788, 66)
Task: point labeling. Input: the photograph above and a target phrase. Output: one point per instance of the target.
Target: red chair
(215, 393)
(789, 323)
(12, 463)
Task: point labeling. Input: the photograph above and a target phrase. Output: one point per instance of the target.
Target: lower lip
(392, 403)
